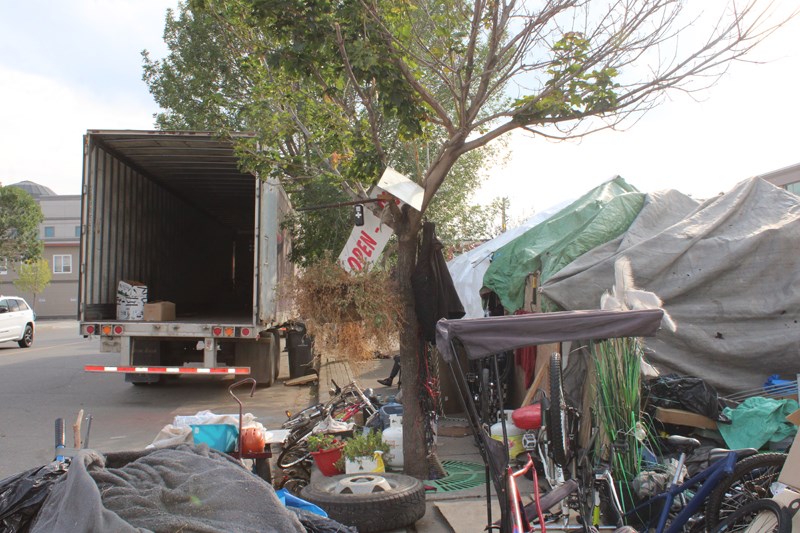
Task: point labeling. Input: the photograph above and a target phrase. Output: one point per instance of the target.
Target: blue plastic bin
(390, 409)
(221, 437)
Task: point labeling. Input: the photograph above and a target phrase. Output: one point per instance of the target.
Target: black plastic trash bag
(315, 523)
(21, 495)
(687, 393)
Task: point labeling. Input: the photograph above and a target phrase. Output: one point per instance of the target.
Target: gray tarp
(173, 489)
(484, 336)
(728, 271)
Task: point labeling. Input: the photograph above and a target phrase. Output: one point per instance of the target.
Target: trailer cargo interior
(172, 211)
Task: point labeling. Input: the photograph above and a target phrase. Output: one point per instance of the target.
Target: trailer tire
(401, 506)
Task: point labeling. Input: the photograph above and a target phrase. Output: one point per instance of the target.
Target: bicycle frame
(709, 478)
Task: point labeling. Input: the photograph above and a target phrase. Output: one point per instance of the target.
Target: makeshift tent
(468, 269)
(728, 273)
(597, 217)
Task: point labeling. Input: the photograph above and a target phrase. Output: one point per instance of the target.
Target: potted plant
(364, 453)
(326, 450)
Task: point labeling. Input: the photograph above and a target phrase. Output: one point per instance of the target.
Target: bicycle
(345, 403)
(734, 477)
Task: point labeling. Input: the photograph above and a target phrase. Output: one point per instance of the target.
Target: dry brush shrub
(350, 313)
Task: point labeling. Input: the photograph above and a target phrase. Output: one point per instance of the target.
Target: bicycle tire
(557, 424)
(486, 414)
(293, 456)
(779, 520)
(750, 480)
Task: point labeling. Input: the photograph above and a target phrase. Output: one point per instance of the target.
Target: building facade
(61, 233)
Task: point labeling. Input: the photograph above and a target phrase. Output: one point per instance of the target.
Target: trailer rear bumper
(238, 370)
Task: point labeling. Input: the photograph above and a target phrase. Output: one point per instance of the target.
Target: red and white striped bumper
(167, 369)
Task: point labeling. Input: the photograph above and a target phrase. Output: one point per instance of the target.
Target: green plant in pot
(326, 450)
(359, 453)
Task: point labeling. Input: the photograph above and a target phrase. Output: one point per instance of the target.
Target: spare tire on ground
(370, 502)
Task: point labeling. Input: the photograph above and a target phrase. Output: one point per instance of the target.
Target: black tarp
(435, 295)
(482, 337)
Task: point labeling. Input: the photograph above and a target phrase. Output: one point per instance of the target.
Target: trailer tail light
(90, 329)
(217, 331)
(118, 330)
(229, 331)
(106, 329)
(245, 332)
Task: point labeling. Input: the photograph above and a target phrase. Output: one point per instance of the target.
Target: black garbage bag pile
(686, 393)
(21, 495)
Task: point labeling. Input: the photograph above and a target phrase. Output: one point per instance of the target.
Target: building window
(793, 187)
(62, 264)
(77, 231)
(49, 231)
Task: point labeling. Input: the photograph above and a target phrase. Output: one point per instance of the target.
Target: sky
(74, 65)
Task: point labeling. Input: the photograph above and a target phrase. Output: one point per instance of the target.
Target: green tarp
(597, 217)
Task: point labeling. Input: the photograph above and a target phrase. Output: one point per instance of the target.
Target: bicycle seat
(682, 444)
(718, 453)
(528, 417)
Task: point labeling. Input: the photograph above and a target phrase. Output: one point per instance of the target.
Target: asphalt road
(47, 381)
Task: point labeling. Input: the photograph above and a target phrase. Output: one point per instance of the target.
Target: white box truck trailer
(173, 212)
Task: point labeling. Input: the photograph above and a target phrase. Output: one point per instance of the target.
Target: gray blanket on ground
(183, 489)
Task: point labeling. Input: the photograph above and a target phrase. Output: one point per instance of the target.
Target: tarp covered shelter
(728, 272)
(595, 218)
(468, 269)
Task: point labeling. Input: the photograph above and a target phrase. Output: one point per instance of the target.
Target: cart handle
(252, 391)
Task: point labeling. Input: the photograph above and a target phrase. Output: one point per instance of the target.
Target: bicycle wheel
(557, 423)
(486, 399)
(293, 456)
(751, 480)
(759, 516)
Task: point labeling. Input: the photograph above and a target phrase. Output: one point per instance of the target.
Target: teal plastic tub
(221, 437)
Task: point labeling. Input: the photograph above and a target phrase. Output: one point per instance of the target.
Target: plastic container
(301, 351)
(221, 437)
(393, 436)
(388, 410)
(513, 432)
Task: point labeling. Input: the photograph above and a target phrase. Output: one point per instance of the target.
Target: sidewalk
(459, 506)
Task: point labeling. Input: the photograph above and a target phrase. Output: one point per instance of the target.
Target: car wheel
(395, 501)
(27, 337)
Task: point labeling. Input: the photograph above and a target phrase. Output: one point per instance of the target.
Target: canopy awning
(482, 337)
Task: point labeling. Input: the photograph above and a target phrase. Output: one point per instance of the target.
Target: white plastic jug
(393, 436)
(513, 432)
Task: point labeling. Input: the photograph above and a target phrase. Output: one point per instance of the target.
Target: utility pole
(504, 204)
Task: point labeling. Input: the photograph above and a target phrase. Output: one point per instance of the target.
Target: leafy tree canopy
(20, 217)
(34, 277)
(227, 70)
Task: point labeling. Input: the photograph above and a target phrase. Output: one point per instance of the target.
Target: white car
(17, 321)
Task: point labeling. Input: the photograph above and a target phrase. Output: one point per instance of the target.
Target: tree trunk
(414, 460)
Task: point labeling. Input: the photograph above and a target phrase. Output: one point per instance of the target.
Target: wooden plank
(302, 380)
(544, 370)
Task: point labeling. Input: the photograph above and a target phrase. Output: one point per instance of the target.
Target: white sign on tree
(366, 243)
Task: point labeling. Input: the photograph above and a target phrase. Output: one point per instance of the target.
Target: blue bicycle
(732, 479)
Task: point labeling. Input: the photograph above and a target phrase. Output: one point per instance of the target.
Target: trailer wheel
(402, 504)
